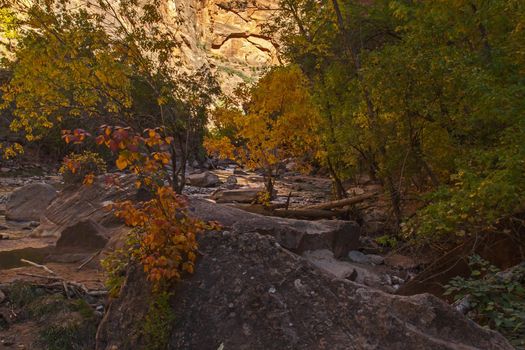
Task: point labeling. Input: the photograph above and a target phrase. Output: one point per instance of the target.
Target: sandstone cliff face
(225, 36)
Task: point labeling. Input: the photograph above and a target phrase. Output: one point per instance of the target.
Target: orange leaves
(121, 162)
(167, 246)
(146, 156)
(89, 179)
(76, 136)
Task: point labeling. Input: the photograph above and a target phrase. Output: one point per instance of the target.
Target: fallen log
(259, 208)
(311, 214)
(341, 203)
(279, 210)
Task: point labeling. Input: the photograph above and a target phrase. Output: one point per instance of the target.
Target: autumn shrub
(496, 298)
(163, 238)
(82, 167)
(115, 265)
(165, 243)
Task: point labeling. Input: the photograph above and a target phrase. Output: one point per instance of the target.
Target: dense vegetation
(426, 97)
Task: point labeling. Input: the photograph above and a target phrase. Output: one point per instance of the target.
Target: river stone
(361, 258)
(324, 260)
(29, 202)
(204, 179)
(242, 195)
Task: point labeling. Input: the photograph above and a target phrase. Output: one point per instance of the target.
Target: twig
(47, 269)
(88, 260)
(97, 293)
(54, 278)
(288, 200)
(65, 289)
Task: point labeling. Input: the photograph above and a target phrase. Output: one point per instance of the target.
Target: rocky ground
(262, 283)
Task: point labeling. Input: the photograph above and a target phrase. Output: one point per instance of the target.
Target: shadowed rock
(296, 235)
(249, 293)
(84, 235)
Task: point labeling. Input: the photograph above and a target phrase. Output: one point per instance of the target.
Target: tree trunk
(268, 184)
(338, 188)
(395, 200)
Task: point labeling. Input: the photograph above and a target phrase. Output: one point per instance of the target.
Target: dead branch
(341, 203)
(53, 278)
(45, 268)
(312, 214)
(88, 260)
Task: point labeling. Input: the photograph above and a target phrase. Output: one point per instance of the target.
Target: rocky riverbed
(309, 284)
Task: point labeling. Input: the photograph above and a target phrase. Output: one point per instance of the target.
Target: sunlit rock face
(226, 36)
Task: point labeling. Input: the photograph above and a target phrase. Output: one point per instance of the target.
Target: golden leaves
(121, 162)
(281, 122)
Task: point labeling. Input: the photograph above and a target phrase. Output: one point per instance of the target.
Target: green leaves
(497, 298)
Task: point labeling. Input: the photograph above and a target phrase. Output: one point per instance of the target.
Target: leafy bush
(115, 265)
(82, 168)
(496, 298)
(166, 244)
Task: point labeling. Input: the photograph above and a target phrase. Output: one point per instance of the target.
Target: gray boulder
(29, 202)
(249, 293)
(296, 235)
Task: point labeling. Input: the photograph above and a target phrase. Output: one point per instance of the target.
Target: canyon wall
(226, 36)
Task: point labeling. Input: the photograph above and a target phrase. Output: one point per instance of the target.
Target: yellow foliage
(281, 122)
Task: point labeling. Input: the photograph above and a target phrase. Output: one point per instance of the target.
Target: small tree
(280, 122)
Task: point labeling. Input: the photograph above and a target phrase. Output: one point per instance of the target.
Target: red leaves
(145, 155)
(76, 136)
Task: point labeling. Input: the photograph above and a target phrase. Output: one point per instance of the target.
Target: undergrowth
(496, 298)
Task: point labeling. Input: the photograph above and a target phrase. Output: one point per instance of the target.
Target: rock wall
(226, 36)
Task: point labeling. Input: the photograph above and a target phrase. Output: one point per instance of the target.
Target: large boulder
(249, 293)
(85, 202)
(296, 235)
(301, 235)
(204, 179)
(86, 235)
(27, 203)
